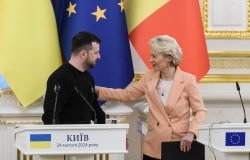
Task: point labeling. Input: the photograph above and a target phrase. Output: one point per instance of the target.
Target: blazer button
(157, 123)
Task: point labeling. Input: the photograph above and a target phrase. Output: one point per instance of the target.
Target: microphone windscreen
(56, 88)
(76, 89)
(237, 86)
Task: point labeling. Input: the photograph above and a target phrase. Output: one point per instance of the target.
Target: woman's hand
(186, 142)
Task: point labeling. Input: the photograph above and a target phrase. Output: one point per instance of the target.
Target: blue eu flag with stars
(106, 19)
(235, 138)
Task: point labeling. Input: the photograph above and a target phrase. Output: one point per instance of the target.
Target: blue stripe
(40, 137)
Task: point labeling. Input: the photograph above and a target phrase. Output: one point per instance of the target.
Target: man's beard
(90, 65)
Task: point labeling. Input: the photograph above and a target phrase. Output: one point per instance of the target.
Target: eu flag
(106, 19)
(235, 138)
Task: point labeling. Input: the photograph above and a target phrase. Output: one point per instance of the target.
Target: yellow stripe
(29, 47)
(138, 10)
(40, 145)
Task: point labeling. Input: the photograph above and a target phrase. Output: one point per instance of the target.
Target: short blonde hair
(167, 45)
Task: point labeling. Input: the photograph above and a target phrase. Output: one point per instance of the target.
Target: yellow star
(121, 4)
(71, 8)
(99, 13)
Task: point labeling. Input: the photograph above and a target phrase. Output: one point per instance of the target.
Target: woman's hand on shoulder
(97, 90)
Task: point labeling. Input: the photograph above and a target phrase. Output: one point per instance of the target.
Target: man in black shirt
(70, 96)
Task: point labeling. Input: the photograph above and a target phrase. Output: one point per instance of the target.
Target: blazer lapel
(176, 90)
(153, 80)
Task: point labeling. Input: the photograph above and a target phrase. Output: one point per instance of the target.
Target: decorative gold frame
(224, 34)
(225, 78)
(230, 54)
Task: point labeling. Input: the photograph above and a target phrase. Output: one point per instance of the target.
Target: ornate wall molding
(6, 92)
(225, 60)
(19, 122)
(229, 59)
(227, 34)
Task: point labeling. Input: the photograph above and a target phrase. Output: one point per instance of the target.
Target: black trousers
(145, 157)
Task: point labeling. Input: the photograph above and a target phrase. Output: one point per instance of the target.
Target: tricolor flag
(40, 141)
(180, 19)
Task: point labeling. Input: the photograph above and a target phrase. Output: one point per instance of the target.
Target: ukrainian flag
(40, 141)
(29, 47)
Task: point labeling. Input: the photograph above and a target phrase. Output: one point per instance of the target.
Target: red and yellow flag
(180, 19)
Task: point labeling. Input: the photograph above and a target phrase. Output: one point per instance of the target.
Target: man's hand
(186, 142)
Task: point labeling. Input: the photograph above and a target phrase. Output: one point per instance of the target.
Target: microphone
(238, 88)
(56, 90)
(81, 95)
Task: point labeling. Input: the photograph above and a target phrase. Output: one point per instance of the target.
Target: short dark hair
(83, 40)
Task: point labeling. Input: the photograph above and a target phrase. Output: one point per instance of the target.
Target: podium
(232, 140)
(71, 139)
